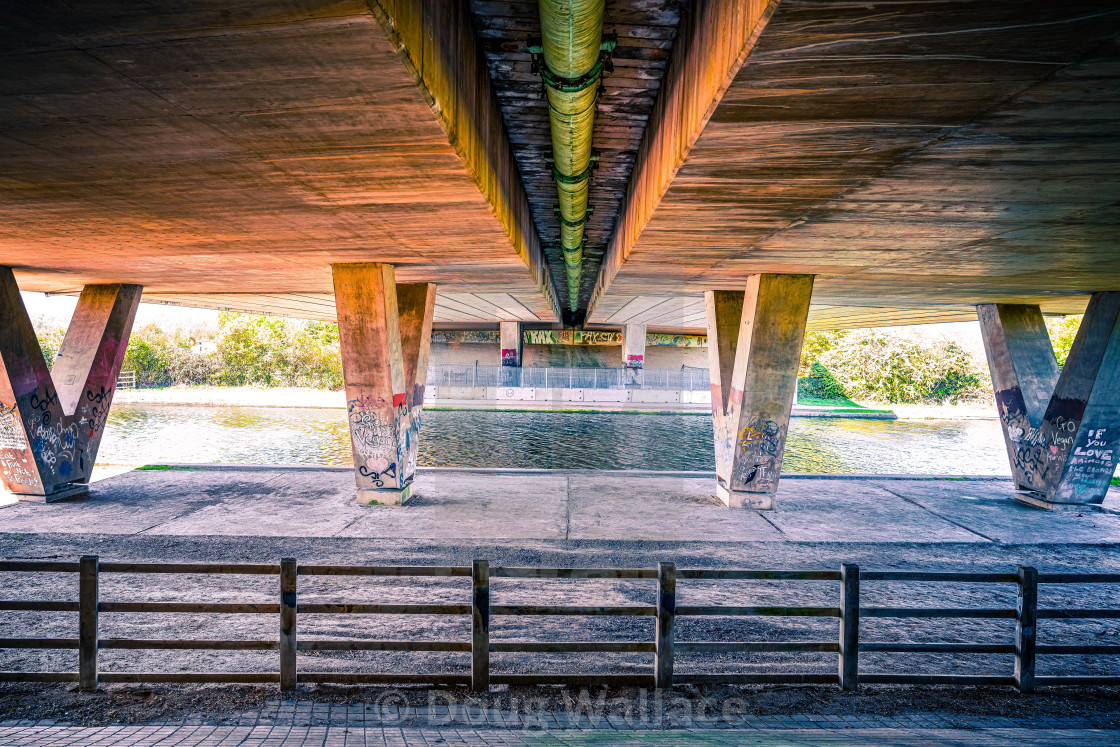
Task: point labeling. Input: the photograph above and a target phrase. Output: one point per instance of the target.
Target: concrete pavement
(557, 505)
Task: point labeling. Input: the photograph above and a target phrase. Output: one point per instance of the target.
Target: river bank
(303, 397)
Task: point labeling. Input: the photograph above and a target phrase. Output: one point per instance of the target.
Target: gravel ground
(136, 587)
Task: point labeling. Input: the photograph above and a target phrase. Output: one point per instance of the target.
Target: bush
(50, 340)
(1063, 329)
(820, 384)
(897, 369)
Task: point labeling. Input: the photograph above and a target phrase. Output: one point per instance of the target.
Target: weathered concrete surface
(51, 421)
(385, 332)
(754, 349)
(565, 506)
(1060, 429)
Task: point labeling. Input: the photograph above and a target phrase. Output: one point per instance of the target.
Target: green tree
(871, 364)
(1062, 330)
(253, 349)
(817, 344)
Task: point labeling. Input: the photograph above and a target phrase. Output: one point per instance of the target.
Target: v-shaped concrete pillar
(1062, 429)
(51, 423)
(754, 348)
(385, 330)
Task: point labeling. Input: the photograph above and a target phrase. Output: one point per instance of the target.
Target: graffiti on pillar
(634, 361)
(1039, 454)
(758, 457)
(16, 463)
(95, 410)
(509, 356)
(374, 439)
(1091, 464)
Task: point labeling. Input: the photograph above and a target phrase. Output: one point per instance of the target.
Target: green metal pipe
(572, 43)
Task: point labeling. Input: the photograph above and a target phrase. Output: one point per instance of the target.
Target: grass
(846, 404)
(166, 467)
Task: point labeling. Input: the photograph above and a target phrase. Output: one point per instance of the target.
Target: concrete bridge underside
(763, 167)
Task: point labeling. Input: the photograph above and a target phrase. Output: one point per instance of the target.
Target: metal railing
(666, 611)
(679, 379)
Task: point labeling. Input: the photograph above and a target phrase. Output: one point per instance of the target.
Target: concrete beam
(385, 332)
(437, 43)
(51, 423)
(712, 43)
(754, 348)
(1061, 429)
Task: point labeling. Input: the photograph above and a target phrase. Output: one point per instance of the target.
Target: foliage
(883, 366)
(820, 384)
(271, 351)
(50, 340)
(1062, 330)
(875, 365)
(817, 344)
(245, 350)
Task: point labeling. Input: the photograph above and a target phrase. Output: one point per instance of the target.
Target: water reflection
(547, 440)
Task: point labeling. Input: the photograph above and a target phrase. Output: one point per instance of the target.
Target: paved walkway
(266, 736)
(564, 505)
(308, 723)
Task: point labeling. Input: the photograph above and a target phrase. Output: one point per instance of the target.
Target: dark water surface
(551, 440)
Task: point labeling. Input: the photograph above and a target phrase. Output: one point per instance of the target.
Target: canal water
(548, 440)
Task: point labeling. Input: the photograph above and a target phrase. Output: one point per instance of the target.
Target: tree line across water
(865, 365)
(891, 367)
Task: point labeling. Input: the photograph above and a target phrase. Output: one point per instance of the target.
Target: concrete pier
(510, 335)
(1060, 428)
(385, 332)
(51, 422)
(754, 348)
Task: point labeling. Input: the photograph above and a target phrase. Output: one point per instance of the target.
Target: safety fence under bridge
(685, 379)
(672, 594)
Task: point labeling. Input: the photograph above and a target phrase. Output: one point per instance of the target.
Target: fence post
(480, 626)
(288, 572)
(87, 622)
(849, 626)
(1026, 628)
(666, 625)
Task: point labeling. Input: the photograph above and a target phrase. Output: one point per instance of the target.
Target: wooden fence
(126, 380)
(664, 647)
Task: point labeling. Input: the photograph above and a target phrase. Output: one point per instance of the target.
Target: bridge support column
(1062, 429)
(634, 352)
(754, 348)
(510, 334)
(385, 331)
(51, 423)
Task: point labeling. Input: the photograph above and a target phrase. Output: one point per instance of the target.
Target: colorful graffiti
(758, 457)
(659, 339)
(457, 336)
(16, 463)
(571, 337)
(1062, 458)
(608, 337)
(373, 439)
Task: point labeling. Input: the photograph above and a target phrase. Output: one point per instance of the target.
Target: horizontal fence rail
(664, 648)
